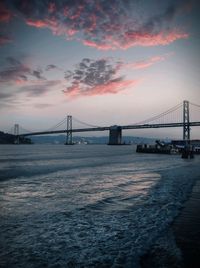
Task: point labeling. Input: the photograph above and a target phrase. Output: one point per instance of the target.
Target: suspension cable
(57, 125)
(173, 109)
(24, 129)
(84, 123)
(49, 129)
(195, 104)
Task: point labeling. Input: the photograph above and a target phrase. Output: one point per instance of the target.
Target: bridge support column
(186, 122)
(188, 150)
(115, 135)
(16, 133)
(69, 131)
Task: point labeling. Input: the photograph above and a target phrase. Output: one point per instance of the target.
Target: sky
(103, 62)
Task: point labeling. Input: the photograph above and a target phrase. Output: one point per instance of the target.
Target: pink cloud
(142, 64)
(128, 40)
(104, 26)
(47, 23)
(145, 63)
(71, 32)
(104, 76)
(112, 87)
(105, 82)
(96, 77)
(97, 45)
(53, 25)
(37, 23)
(147, 39)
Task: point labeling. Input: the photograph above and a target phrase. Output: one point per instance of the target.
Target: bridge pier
(115, 135)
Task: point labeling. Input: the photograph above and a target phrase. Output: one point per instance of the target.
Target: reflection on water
(85, 206)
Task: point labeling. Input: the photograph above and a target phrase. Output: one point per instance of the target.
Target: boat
(157, 148)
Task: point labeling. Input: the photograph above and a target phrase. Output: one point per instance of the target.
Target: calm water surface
(86, 205)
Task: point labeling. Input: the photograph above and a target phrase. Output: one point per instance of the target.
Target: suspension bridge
(178, 116)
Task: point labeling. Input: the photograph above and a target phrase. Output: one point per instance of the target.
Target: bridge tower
(115, 135)
(186, 121)
(16, 133)
(69, 131)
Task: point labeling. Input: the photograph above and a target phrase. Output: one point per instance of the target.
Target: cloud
(90, 77)
(32, 89)
(14, 74)
(5, 96)
(4, 39)
(13, 61)
(98, 77)
(104, 46)
(42, 105)
(107, 24)
(143, 64)
(111, 87)
(5, 14)
(38, 74)
(38, 88)
(150, 39)
(147, 63)
(8, 98)
(103, 76)
(18, 72)
(51, 67)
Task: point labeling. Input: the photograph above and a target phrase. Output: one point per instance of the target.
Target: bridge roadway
(93, 129)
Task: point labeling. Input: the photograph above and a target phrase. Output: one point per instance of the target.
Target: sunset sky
(104, 62)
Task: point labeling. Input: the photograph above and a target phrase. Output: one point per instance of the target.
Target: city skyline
(104, 62)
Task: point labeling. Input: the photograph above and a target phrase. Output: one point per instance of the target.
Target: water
(87, 205)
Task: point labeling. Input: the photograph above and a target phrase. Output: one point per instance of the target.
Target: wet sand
(186, 229)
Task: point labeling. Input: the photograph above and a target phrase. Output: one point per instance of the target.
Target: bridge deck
(93, 129)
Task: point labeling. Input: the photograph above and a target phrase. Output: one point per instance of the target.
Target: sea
(88, 205)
